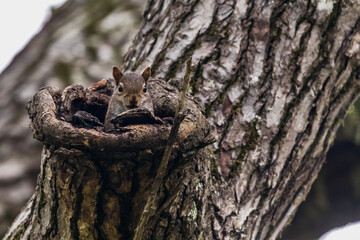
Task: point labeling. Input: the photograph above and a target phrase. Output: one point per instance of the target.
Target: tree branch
(149, 209)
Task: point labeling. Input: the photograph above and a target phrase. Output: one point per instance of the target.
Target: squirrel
(130, 92)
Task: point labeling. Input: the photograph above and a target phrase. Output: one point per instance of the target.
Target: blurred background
(58, 42)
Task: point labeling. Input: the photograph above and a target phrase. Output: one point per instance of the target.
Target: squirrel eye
(145, 89)
(120, 88)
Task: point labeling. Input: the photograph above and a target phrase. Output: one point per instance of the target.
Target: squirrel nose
(133, 100)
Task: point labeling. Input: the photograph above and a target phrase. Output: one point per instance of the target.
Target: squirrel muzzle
(132, 101)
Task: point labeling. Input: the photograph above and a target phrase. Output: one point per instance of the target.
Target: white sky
(349, 232)
(22, 19)
(19, 21)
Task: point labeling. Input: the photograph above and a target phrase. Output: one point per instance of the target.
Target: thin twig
(182, 182)
(150, 206)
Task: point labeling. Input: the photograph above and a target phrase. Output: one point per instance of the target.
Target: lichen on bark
(275, 77)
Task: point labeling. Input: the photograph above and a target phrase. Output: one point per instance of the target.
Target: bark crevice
(93, 184)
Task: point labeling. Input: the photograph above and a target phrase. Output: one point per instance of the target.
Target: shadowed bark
(94, 185)
(77, 44)
(276, 78)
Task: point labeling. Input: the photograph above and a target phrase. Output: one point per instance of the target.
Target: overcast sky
(19, 21)
(22, 19)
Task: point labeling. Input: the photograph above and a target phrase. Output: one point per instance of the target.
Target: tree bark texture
(94, 185)
(78, 44)
(276, 78)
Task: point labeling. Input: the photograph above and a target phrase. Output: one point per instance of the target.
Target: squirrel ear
(117, 74)
(146, 73)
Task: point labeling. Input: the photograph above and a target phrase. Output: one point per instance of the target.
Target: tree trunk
(276, 78)
(76, 45)
(94, 185)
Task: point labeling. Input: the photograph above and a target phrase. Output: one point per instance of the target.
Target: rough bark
(276, 77)
(77, 44)
(94, 184)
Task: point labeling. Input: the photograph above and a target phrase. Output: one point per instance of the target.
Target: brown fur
(131, 96)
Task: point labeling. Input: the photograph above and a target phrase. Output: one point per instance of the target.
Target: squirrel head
(131, 87)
